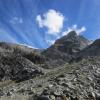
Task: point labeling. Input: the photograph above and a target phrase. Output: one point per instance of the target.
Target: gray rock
(57, 94)
(43, 98)
(97, 96)
(9, 93)
(1, 93)
(52, 97)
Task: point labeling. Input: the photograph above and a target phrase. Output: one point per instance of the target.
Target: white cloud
(74, 28)
(16, 20)
(50, 42)
(39, 20)
(52, 20)
(83, 29)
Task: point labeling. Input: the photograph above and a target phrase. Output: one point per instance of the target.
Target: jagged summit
(70, 34)
(72, 40)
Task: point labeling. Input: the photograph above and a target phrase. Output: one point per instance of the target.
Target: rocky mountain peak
(96, 42)
(65, 48)
(71, 34)
(67, 45)
(72, 40)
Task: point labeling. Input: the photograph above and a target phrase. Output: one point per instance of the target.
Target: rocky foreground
(79, 81)
(68, 70)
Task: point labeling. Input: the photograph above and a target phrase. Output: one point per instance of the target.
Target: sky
(38, 23)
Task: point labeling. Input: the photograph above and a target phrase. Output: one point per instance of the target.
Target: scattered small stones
(76, 84)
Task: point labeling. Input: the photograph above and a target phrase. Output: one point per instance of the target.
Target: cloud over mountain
(76, 29)
(52, 20)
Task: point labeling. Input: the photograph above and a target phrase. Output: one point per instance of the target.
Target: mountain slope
(92, 50)
(19, 62)
(65, 48)
(30, 53)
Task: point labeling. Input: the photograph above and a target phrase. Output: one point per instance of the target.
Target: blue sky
(39, 23)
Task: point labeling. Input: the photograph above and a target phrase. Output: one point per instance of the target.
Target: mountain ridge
(68, 70)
